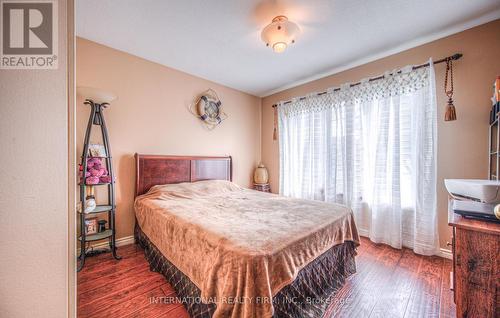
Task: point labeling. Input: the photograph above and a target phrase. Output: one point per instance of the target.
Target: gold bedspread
(239, 246)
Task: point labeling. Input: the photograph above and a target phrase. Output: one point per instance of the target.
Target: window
(371, 147)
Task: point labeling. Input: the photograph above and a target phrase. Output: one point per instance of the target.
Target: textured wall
(150, 116)
(34, 188)
(462, 144)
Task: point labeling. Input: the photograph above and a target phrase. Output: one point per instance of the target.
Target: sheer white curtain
(371, 147)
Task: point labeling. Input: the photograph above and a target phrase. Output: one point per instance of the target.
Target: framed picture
(97, 150)
(91, 226)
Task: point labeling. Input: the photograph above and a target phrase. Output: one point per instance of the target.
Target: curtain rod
(455, 56)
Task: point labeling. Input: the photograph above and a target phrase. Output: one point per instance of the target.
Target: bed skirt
(309, 295)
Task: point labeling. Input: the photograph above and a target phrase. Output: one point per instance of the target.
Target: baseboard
(443, 252)
(127, 240)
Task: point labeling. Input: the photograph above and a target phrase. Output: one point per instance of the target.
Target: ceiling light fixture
(280, 33)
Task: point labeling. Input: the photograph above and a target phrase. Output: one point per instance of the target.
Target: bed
(234, 252)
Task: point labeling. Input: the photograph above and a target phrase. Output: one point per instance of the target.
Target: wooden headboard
(152, 170)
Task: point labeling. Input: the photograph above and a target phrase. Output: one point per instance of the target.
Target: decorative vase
(497, 211)
(260, 175)
(101, 226)
(90, 206)
(90, 193)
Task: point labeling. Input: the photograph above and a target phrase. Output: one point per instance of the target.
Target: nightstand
(263, 187)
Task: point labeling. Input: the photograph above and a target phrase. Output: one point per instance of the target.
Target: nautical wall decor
(208, 108)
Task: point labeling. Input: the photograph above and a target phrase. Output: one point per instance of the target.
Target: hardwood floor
(388, 283)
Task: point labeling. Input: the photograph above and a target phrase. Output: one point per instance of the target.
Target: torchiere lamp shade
(96, 95)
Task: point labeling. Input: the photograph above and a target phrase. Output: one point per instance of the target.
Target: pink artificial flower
(96, 172)
(93, 161)
(87, 174)
(105, 179)
(92, 180)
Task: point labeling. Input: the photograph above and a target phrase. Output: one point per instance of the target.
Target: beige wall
(462, 144)
(34, 190)
(151, 116)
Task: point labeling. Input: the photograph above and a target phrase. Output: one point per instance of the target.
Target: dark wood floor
(388, 283)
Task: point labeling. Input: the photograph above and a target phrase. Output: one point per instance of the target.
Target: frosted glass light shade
(97, 95)
(279, 47)
(280, 33)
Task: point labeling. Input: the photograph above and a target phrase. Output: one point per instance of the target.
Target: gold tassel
(275, 122)
(451, 113)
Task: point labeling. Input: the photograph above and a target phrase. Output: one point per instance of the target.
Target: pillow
(196, 189)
